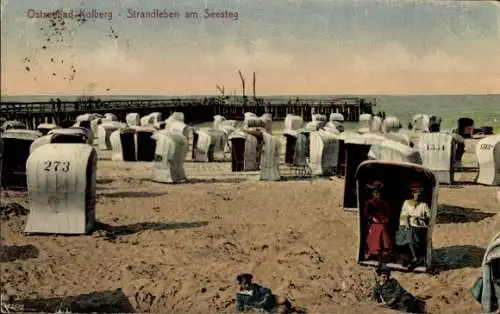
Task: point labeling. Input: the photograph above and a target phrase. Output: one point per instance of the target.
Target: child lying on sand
(389, 292)
(252, 296)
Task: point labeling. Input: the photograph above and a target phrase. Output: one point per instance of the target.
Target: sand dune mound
(96, 302)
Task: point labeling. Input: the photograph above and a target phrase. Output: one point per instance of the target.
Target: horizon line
(248, 96)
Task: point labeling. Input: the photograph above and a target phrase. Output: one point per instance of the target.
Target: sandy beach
(177, 248)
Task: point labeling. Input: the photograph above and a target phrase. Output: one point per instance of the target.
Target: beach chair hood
(133, 119)
(420, 122)
(390, 150)
(365, 123)
(44, 128)
(218, 121)
(61, 187)
(104, 131)
(110, 117)
(488, 156)
(244, 151)
(391, 124)
(376, 125)
(397, 178)
(336, 117)
(168, 166)
(292, 124)
(14, 124)
(253, 122)
(436, 150)
(324, 150)
(269, 162)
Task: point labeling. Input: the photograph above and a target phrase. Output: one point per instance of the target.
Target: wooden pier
(195, 109)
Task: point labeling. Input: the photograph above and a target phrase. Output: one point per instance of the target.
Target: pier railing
(195, 109)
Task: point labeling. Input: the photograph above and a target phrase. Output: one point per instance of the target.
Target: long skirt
(419, 236)
(378, 240)
(411, 236)
(404, 236)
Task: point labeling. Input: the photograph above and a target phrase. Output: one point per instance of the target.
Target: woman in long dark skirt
(378, 212)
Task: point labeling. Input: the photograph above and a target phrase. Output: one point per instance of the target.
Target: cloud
(104, 66)
(109, 57)
(393, 57)
(258, 55)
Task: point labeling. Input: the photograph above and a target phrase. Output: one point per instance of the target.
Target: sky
(295, 47)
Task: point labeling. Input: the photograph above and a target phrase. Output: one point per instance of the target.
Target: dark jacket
(397, 298)
(389, 293)
(259, 297)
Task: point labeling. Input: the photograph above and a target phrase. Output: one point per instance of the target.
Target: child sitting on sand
(254, 296)
(389, 292)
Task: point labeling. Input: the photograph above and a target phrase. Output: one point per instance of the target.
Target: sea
(483, 109)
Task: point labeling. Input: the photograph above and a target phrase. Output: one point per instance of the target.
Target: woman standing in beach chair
(413, 223)
(378, 212)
